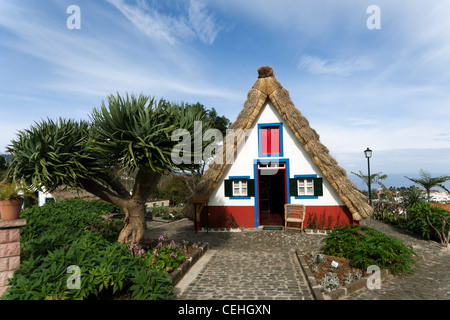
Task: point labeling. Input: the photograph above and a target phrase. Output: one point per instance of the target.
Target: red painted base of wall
(327, 217)
(316, 217)
(230, 216)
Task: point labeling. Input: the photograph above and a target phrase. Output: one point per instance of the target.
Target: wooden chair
(294, 213)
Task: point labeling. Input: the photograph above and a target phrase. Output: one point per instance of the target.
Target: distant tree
(428, 182)
(176, 189)
(411, 195)
(212, 120)
(132, 134)
(375, 179)
(3, 164)
(3, 167)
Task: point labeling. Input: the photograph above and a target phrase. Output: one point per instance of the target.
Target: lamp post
(368, 154)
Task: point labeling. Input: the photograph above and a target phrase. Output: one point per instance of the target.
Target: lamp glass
(368, 153)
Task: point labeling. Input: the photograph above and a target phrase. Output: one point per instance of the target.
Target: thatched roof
(266, 88)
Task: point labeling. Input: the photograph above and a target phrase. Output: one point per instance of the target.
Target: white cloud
(194, 22)
(202, 22)
(316, 65)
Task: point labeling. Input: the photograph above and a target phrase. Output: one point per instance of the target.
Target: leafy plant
(162, 257)
(366, 246)
(149, 284)
(330, 282)
(106, 225)
(383, 251)
(106, 267)
(59, 223)
(342, 240)
(421, 215)
(15, 190)
(318, 257)
(351, 277)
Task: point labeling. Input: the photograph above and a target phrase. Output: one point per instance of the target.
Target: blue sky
(387, 89)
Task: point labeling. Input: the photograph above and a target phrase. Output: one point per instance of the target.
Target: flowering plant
(162, 257)
(106, 225)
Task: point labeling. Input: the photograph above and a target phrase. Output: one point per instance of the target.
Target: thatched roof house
(270, 121)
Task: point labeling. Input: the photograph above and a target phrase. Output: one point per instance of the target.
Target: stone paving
(261, 264)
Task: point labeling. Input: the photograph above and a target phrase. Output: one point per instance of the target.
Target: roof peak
(264, 72)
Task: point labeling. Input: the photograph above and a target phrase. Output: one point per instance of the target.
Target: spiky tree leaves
(132, 134)
(428, 182)
(53, 153)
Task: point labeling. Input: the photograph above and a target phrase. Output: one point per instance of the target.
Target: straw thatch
(266, 88)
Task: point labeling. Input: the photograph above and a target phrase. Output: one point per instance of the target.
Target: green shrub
(417, 220)
(162, 256)
(56, 237)
(384, 251)
(151, 285)
(365, 246)
(104, 269)
(160, 211)
(168, 213)
(342, 240)
(59, 223)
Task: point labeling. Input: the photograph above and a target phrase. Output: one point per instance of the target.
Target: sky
(363, 77)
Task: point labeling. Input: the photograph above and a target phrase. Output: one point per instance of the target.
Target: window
(305, 186)
(270, 140)
(240, 187)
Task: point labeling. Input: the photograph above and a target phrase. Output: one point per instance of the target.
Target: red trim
(325, 216)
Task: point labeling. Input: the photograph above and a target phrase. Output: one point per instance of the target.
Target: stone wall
(9, 250)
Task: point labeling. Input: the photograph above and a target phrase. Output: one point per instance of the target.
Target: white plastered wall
(300, 163)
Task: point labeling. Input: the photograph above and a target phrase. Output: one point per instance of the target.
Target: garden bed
(346, 285)
(191, 251)
(344, 271)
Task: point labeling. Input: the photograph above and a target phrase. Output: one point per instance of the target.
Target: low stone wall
(9, 250)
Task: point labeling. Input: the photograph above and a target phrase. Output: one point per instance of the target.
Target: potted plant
(11, 199)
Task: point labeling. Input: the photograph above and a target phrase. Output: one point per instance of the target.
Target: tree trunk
(133, 204)
(134, 228)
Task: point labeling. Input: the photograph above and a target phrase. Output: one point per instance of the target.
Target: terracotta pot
(10, 210)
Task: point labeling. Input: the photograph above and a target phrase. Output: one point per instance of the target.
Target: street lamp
(368, 154)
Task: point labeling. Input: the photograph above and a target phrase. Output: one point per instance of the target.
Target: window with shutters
(239, 187)
(306, 187)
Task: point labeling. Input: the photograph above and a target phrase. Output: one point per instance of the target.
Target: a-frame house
(275, 158)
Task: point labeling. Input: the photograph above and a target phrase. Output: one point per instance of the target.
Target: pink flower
(167, 269)
(141, 252)
(161, 238)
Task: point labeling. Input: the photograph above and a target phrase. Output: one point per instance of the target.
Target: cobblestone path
(261, 264)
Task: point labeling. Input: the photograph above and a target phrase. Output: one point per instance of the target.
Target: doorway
(272, 193)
